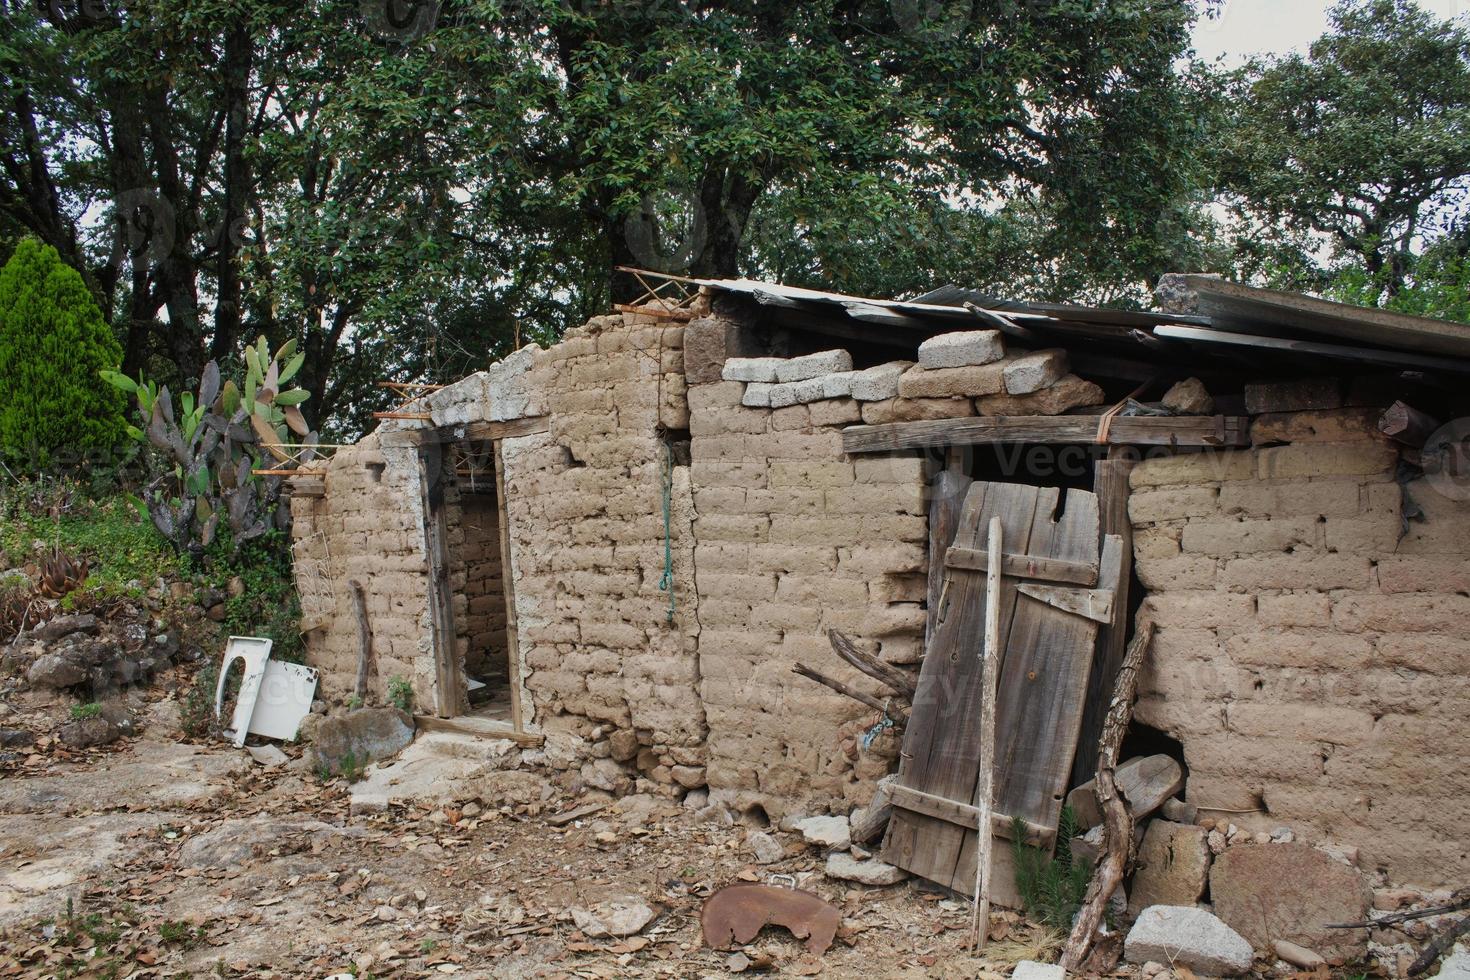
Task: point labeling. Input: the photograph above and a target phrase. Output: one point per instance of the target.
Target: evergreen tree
(53, 341)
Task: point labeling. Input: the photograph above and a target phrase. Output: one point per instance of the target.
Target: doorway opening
(474, 604)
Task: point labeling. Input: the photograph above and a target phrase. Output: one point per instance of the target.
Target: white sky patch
(1250, 27)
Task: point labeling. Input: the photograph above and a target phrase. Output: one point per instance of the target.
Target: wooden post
(1110, 483)
(364, 640)
(508, 588)
(985, 792)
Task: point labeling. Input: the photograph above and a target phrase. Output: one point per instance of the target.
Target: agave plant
(207, 451)
(61, 574)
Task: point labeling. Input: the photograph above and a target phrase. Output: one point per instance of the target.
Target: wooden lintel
(658, 313)
(470, 725)
(404, 416)
(1093, 604)
(964, 814)
(1025, 566)
(512, 429)
(1220, 431)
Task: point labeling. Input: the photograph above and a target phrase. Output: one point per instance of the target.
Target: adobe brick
(1326, 459)
(1224, 538)
(1209, 466)
(1150, 506)
(1310, 571)
(1323, 723)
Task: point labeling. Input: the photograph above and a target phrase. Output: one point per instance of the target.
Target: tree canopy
(1354, 157)
(407, 187)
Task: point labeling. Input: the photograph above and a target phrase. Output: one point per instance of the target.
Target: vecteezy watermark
(1446, 460)
(402, 21)
(931, 19)
(668, 230)
(145, 220)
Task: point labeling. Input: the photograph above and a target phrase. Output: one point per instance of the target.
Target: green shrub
(53, 343)
(80, 712)
(1052, 888)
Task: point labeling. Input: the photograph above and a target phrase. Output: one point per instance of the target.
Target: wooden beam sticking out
(1221, 431)
(1407, 425)
(405, 416)
(951, 811)
(1025, 566)
(513, 429)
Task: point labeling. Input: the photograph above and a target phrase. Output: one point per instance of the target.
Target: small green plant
(354, 702)
(196, 709)
(351, 769)
(400, 693)
(80, 712)
(178, 933)
(1051, 888)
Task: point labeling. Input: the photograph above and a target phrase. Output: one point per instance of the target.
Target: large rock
(1173, 866)
(843, 865)
(86, 733)
(50, 632)
(57, 670)
(1187, 936)
(361, 736)
(1268, 892)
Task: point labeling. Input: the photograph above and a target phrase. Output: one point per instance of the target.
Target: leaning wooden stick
(980, 926)
(898, 712)
(886, 674)
(1117, 821)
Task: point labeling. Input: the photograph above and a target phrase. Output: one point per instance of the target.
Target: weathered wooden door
(1057, 586)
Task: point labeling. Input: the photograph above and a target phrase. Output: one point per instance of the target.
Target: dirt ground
(156, 858)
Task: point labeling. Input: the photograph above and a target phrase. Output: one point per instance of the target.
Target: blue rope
(666, 581)
(883, 725)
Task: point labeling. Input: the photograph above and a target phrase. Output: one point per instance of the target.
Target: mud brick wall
(477, 581)
(368, 527)
(1313, 653)
(602, 657)
(795, 538)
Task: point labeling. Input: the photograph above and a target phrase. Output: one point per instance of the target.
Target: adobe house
(621, 545)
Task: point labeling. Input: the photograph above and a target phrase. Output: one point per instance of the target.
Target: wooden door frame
(449, 687)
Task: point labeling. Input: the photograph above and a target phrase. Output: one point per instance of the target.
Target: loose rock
(767, 849)
(616, 917)
(1189, 937)
(833, 833)
(1032, 970)
(843, 865)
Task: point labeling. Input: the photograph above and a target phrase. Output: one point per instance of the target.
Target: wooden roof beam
(1219, 431)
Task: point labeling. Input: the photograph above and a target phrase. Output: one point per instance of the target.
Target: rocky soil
(151, 857)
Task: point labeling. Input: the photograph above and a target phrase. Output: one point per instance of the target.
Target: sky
(1247, 27)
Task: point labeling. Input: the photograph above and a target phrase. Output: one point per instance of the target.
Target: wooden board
(1041, 687)
(1202, 430)
(948, 498)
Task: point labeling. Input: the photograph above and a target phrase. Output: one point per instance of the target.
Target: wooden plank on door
(948, 500)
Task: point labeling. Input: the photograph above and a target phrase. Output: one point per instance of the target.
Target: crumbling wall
(606, 656)
(1313, 646)
(368, 528)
